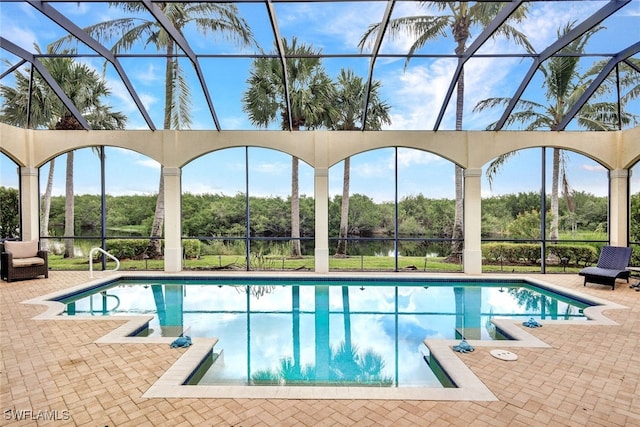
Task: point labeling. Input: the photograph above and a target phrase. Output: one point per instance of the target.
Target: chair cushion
(603, 272)
(22, 249)
(27, 262)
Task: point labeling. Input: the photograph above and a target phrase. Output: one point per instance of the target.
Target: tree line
(510, 216)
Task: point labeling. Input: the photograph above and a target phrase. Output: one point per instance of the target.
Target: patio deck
(589, 376)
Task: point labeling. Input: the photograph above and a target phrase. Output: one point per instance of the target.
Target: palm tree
(208, 18)
(311, 93)
(631, 80)
(85, 88)
(458, 18)
(17, 110)
(564, 86)
(349, 102)
(626, 80)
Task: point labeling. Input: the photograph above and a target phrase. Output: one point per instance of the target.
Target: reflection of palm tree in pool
(288, 371)
(295, 312)
(169, 306)
(343, 364)
(468, 312)
(533, 301)
(158, 299)
(347, 366)
(366, 368)
(568, 312)
(255, 290)
(347, 316)
(346, 363)
(323, 344)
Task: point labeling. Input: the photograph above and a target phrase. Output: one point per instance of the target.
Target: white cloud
(350, 23)
(20, 36)
(271, 168)
(121, 94)
(148, 100)
(402, 42)
(124, 103)
(342, 25)
(234, 122)
(409, 157)
(199, 187)
(544, 19)
(421, 89)
(368, 169)
(148, 163)
(74, 9)
(150, 75)
(593, 168)
(632, 9)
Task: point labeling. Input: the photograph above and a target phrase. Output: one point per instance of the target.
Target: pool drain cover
(504, 354)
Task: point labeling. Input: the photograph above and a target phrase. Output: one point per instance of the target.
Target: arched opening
(400, 212)
(524, 232)
(10, 196)
(236, 211)
(107, 208)
(634, 213)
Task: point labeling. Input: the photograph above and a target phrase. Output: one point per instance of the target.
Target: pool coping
(468, 386)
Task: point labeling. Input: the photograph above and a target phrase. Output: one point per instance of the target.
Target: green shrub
(128, 248)
(525, 226)
(499, 252)
(222, 247)
(635, 257)
(529, 253)
(191, 248)
(574, 254)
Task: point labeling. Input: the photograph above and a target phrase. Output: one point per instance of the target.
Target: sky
(414, 93)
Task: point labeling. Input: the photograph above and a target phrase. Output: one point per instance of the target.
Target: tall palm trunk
(47, 205)
(461, 35)
(69, 209)
(344, 211)
(555, 181)
(296, 251)
(154, 249)
(553, 233)
(68, 122)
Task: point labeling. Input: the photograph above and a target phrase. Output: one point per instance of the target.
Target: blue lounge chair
(612, 265)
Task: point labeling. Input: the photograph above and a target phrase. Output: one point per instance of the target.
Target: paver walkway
(54, 369)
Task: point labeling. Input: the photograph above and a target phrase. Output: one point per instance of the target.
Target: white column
(30, 203)
(472, 254)
(619, 206)
(321, 196)
(172, 219)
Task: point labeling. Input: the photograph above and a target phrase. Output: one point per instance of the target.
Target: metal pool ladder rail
(94, 250)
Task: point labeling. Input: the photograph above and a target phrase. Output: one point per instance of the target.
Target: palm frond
(180, 98)
(81, 84)
(495, 166)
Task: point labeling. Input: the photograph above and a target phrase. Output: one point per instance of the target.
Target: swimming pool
(293, 331)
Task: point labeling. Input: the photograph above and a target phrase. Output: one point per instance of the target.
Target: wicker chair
(23, 260)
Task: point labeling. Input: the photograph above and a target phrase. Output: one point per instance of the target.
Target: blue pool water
(293, 331)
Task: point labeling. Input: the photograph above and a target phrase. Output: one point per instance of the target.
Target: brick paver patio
(54, 369)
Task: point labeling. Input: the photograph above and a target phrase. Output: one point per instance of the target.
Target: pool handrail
(96, 249)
